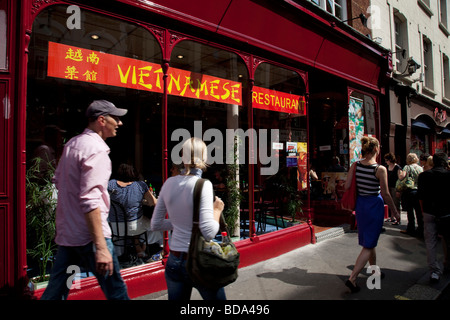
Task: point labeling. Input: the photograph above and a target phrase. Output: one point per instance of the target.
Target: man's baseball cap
(102, 108)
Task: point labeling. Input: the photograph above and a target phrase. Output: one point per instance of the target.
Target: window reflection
(56, 106)
(280, 197)
(211, 119)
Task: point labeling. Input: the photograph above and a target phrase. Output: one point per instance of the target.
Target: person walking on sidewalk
(82, 231)
(372, 192)
(433, 191)
(410, 201)
(393, 169)
(174, 212)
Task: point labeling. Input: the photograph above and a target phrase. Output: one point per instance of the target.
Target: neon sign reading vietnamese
(79, 64)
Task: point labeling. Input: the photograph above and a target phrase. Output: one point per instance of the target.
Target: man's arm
(103, 258)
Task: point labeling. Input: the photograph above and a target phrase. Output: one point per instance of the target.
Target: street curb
(423, 290)
(332, 232)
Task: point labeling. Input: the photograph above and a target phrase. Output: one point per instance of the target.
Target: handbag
(406, 183)
(207, 264)
(348, 201)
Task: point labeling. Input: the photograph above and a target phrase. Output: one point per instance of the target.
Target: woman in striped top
(373, 191)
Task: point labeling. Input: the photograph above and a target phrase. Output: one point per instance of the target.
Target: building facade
(417, 33)
(301, 80)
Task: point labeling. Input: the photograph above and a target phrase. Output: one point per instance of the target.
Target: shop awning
(420, 124)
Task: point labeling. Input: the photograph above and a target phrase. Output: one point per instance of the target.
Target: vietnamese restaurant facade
(283, 68)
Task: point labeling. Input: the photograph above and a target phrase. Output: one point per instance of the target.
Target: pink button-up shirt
(81, 179)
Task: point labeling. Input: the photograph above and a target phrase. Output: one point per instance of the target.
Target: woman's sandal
(353, 288)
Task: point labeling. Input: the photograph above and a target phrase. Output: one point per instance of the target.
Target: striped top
(366, 182)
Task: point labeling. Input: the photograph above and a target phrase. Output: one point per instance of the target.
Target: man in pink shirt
(82, 231)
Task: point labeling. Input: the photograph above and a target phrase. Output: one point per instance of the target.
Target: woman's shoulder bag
(208, 264)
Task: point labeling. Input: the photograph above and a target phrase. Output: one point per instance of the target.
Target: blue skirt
(369, 218)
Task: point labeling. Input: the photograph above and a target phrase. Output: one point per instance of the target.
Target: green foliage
(41, 208)
(232, 210)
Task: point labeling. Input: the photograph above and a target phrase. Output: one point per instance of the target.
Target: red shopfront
(174, 66)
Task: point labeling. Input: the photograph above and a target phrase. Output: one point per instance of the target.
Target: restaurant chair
(119, 231)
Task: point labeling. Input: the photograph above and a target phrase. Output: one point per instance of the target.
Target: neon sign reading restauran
(79, 64)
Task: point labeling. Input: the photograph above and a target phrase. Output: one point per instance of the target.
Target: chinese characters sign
(73, 63)
(69, 62)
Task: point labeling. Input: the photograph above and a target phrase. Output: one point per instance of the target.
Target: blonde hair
(412, 158)
(194, 154)
(368, 145)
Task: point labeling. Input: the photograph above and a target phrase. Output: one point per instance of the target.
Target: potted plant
(40, 210)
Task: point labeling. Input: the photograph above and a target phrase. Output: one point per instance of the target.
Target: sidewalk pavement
(319, 271)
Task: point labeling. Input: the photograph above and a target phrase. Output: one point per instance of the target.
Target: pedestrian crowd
(88, 201)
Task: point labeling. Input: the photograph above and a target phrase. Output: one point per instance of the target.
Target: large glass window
(105, 58)
(280, 121)
(207, 90)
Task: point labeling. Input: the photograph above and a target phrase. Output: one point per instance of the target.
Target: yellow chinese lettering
(93, 58)
(71, 73)
(90, 75)
(74, 55)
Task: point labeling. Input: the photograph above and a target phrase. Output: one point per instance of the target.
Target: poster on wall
(297, 157)
(291, 154)
(302, 149)
(356, 128)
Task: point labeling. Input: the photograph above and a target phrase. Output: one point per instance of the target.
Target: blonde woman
(410, 201)
(373, 191)
(176, 199)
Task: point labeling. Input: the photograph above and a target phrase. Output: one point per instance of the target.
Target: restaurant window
(106, 58)
(280, 122)
(206, 98)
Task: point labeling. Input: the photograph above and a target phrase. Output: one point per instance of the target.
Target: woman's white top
(176, 199)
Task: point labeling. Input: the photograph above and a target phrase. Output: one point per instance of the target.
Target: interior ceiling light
(95, 37)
